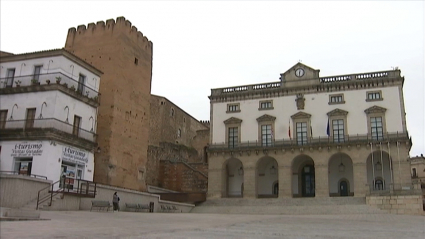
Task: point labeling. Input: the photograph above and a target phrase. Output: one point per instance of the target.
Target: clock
(299, 72)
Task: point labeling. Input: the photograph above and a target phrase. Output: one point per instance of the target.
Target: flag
(327, 130)
(289, 128)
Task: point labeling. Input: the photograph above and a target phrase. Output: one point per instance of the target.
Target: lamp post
(240, 171)
(341, 166)
(41, 112)
(11, 115)
(92, 121)
(273, 170)
(66, 107)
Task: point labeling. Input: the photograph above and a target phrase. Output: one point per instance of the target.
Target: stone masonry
(177, 158)
(125, 56)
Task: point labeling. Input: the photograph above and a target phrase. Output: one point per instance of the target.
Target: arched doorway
(341, 177)
(344, 188)
(267, 177)
(303, 177)
(379, 171)
(233, 175)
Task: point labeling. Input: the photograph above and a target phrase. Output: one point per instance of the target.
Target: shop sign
(26, 149)
(75, 155)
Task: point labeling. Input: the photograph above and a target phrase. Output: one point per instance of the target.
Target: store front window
(23, 166)
(70, 175)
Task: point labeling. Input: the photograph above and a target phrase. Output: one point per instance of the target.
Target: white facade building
(309, 136)
(48, 116)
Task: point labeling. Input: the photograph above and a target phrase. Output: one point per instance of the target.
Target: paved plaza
(84, 224)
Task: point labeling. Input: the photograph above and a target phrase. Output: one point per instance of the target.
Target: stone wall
(184, 177)
(398, 204)
(177, 148)
(176, 167)
(169, 123)
(125, 56)
(18, 190)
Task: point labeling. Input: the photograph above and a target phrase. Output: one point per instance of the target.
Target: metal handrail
(49, 78)
(29, 175)
(311, 141)
(49, 123)
(46, 197)
(79, 190)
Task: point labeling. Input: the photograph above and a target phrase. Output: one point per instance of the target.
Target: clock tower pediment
(300, 74)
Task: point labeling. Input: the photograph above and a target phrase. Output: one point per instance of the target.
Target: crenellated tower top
(111, 28)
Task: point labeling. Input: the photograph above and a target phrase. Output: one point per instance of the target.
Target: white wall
(56, 102)
(48, 163)
(50, 65)
(316, 105)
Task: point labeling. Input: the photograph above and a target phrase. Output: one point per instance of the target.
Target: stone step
(14, 213)
(284, 201)
(33, 204)
(290, 210)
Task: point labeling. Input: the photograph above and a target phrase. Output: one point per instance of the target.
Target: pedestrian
(115, 202)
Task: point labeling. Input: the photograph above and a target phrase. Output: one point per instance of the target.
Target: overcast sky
(212, 44)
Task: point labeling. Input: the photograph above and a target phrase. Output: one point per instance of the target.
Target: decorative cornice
(232, 120)
(337, 112)
(266, 117)
(375, 109)
(300, 115)
(324, 85)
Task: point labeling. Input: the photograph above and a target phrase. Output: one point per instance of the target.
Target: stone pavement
(85, 224)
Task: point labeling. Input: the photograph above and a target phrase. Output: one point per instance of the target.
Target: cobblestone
(84, 224)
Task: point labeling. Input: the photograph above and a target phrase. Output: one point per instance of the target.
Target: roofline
(179, 108)
(51, 53)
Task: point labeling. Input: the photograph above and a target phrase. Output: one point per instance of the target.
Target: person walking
(115, 202)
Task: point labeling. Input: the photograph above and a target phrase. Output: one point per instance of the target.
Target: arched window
(414, 175)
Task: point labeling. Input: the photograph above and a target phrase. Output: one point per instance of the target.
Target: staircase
(33, 204)
(288, 206)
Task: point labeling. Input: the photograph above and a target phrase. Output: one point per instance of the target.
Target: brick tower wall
(125, 56)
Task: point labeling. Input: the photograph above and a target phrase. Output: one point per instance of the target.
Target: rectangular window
(3, 117)
(338, 130)
(233, 108)
(233, 137)
(268, 104)
(336, 99)
(266, 135)
(373, 96)
(376, 128)
(10, 77)
(76, 126)
(29, 122)
(301, 133)
(81, 81)
(37, 71)
(23, 166)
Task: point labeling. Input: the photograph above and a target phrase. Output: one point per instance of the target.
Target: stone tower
(125, 57)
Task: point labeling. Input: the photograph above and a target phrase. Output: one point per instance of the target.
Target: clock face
(299, 72)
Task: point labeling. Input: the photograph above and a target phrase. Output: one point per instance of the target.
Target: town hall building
(310, 136)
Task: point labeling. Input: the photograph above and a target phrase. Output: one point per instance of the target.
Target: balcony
(310, 142)
(217, 93)
(47, 129)
(50, 81)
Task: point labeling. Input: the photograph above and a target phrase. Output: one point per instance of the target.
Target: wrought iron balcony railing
(48, 123)
(50, 79)
(312, 141)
